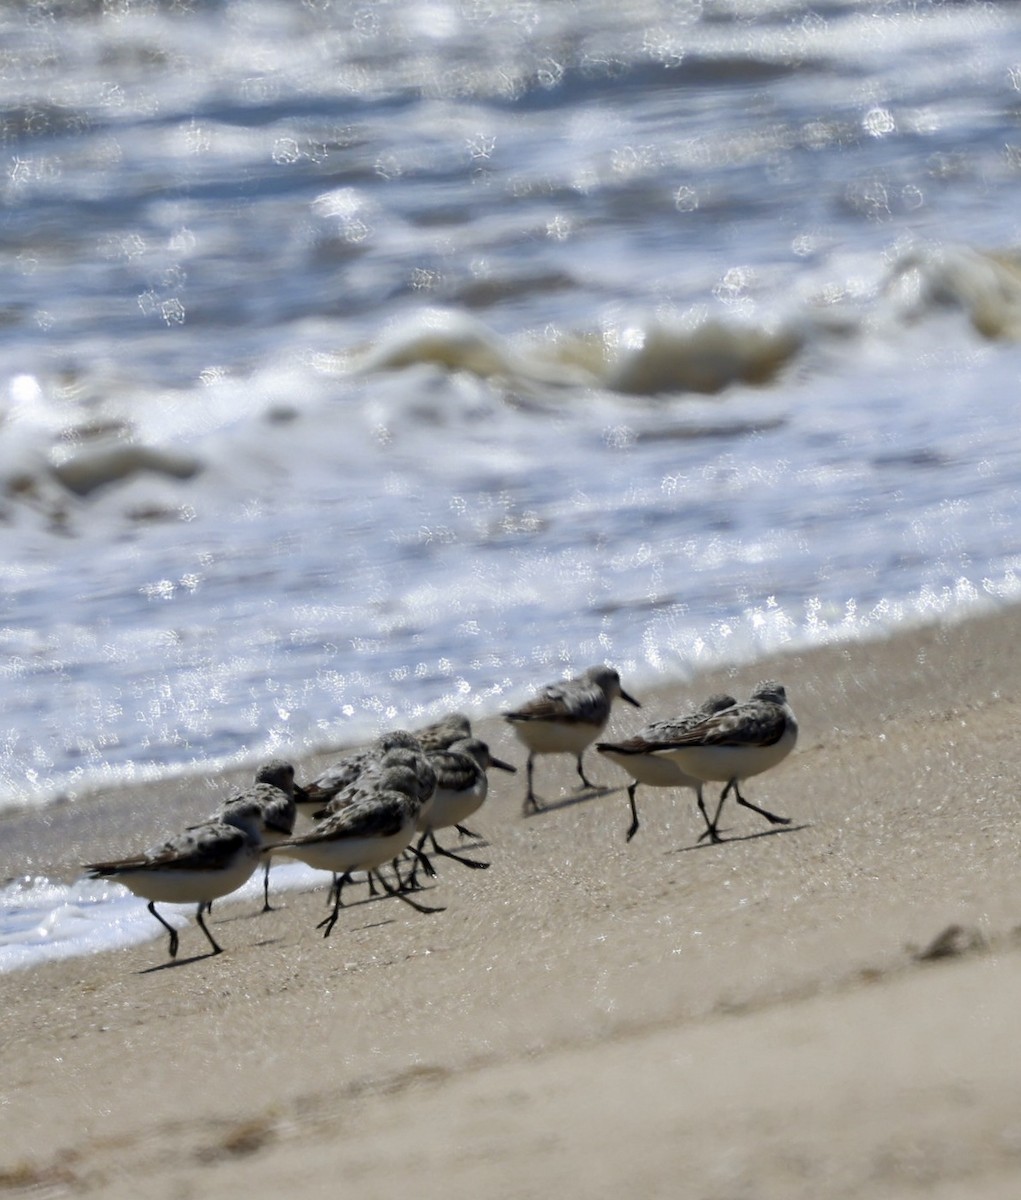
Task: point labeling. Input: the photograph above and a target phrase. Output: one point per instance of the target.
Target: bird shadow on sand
(469, 843)
(581, 796)
(368, 924)
(194, 958)
(744, 837)
(177, 962)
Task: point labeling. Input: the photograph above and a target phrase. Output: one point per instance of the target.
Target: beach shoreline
(754, 1019)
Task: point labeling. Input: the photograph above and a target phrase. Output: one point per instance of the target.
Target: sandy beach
(756, 1020)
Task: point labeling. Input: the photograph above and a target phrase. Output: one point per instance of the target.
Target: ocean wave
(703, 356)
(555, 85)
(983, 284)
(67, 443)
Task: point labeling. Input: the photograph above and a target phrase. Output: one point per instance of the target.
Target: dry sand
(747, 1021)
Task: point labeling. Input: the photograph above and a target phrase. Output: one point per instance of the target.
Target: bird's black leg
(397, 872)
(424, 861)
(531, 804)
(217, 949)
(772, 818)
(169, 928)
(465, 832)
(710, 830)
(421, 858)
(382, 883)
(266, 906)
(391, 891)
(328, 923)
(474, 863)
(411, 884)
(581, 774)
(634, 811)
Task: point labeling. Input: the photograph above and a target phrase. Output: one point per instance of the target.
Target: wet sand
(757, 1019)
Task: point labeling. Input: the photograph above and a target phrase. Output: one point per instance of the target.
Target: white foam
(44, 921)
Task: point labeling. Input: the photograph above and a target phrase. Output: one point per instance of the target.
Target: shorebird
(372, 829)
(461, 789)
(421, 785)
(274, 792)
(640, 756)
(196, 867)
(735, 744)
(564, 718)
(345, 772)
(442, 734)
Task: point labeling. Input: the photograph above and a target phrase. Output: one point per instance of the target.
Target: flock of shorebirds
(386, 804)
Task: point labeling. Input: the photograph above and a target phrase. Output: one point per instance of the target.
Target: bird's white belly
(453, 807)
(189, 887)
(351, 854)
(722, 763)
(556, 737)
(652, 769)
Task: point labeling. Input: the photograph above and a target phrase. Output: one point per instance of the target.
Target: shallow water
(361, 361)
(44, 921)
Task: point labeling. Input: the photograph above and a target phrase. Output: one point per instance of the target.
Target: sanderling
(442, 734)
(735, 744)
(274, 792)
(196, 867)
(372, 829)
(461, 789)
(564, 718)
(368, 778)
(421, 787)
(638, 755)
(345, 772)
